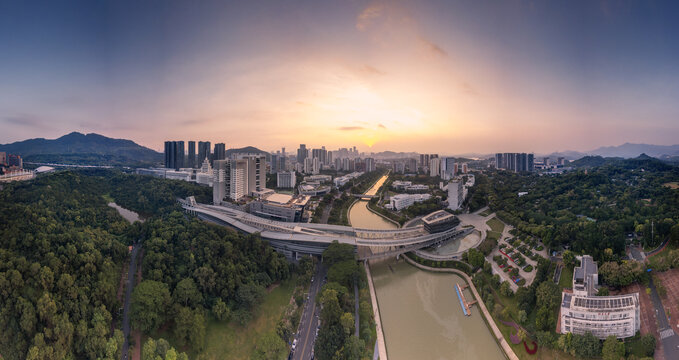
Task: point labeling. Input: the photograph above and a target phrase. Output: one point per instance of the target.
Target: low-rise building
(582, 311)
(318, 178)
(402, 201)
(417, 188)
(439, 221)
(281, 207)
(342, 180)
(400, 185)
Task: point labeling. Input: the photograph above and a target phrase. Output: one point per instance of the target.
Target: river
(420, 312)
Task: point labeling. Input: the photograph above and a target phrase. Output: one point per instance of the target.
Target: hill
(629, 150)
(245, 150)
(89, 149)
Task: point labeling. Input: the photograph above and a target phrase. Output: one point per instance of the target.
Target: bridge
(294, 239)
(364, 196)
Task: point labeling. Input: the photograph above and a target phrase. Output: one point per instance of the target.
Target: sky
(446, 76)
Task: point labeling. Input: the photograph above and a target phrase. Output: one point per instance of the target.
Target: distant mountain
(629, 150)
(245, 150)
(90, 149)
(642, 161)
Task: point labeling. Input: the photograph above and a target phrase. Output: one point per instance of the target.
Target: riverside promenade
(381, 346)
(509, 353)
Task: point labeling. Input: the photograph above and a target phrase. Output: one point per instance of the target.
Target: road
(670, 340)
(131, 273)
(306, 334)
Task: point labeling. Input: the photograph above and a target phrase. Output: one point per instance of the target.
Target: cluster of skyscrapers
(176, 157)
(517, 162)
(311, 161)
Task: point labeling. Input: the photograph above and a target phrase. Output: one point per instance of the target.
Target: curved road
(132, 271)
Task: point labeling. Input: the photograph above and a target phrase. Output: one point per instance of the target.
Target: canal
(420, 312)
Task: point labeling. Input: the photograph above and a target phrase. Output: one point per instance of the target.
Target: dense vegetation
(589, 211)
(337, 338)
(62, 250)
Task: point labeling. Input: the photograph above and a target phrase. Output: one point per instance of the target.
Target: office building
(517, 162)
(204, 151)
(447, 168)
(302, 153)
(286, 179)
(582, 311)
(439, 221)
(400, 185)
(402, 201)
(318, 178)
(455, 194)
(399, 167)
(280, 207)
(343, 180)
(174, 154)
(316, 166)
(220, 152)
(221, 175)
(191, 156)
(238, 177)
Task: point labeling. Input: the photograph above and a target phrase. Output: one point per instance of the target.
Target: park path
(379, 344)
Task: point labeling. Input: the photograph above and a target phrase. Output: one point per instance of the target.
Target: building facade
(582, 311)
(286, 179)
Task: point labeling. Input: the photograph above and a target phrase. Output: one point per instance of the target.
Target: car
(294, 344)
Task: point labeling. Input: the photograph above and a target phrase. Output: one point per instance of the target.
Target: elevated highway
(293, 239)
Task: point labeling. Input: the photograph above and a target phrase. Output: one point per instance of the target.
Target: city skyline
(430, 77)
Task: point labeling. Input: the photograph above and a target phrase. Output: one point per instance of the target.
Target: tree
(505, 289)
(186, 293)
(220, 310)
(613, 349)
(150, 300)
(343, 272)
(475, 258)
(586, 345)
(337, 252)
(548, 295)
(148, 351)
(347, 321)
(270, 347)
(522, 317)
(249, 295)
(648, 343)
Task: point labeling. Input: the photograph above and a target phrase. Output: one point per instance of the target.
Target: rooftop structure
(281, 207)
(402, 201)
(439, 221)
(582, 311)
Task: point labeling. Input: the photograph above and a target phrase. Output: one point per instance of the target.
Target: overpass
(293, 239)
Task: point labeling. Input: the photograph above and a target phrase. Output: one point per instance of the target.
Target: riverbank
(507, 350)
(381, 344)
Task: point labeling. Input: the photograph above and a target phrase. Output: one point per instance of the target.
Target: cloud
(370, 70)
(432, 48)
(350, 128)
(368, 16)
(26, 120)
(381, 126)
(468, 89)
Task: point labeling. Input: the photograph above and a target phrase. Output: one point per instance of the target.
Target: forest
(588, 210)
(62, 251)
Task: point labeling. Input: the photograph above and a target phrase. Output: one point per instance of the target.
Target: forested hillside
(588, 210)
(62, 251)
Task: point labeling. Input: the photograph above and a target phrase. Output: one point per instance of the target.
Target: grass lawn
(495, 224)
(485, 213)
(492, 235)
(232, 341)
(566, 280)
(108, 198)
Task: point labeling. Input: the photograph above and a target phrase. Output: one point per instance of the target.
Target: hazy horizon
(415, 76)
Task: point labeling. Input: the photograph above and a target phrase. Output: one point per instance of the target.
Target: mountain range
(90, 149)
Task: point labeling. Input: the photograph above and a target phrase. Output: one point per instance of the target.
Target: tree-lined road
(132, 272)
(306, 334)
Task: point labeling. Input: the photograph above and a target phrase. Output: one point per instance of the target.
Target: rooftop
(436, 216)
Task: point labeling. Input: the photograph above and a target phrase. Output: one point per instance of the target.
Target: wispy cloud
(432, 48)
(350, 128)
(371, 70)
(381, 126)
(26, 120)
(368, 16)
(468, 89)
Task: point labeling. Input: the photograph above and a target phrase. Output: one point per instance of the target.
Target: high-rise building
(302, 153)
(447, 168)
(204, 151)
(455, 194)
(220, 151)
(286, 179)
(316, 166)
(174, 154)
(369, 164)
(191, 157)
(15, 160)
(308, 165)
(3, 158)
(434, 166)
(221, 173)
(518, 162)
(411, 165)
(273, 167)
